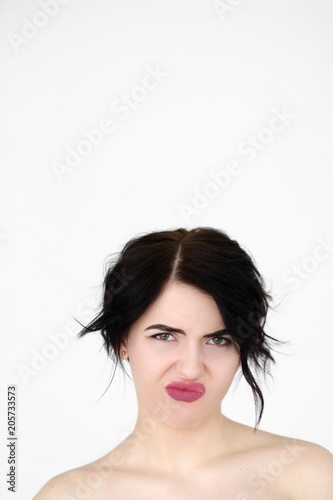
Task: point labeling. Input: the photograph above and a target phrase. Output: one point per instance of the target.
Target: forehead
(184, 306)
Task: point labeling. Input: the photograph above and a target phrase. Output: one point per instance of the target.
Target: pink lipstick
(185, 391)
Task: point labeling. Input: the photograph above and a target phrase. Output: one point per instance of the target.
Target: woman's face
(188, 356)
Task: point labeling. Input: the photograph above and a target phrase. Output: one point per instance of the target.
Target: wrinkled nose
(190, 362)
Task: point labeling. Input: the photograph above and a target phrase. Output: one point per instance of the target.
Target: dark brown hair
(205, 258)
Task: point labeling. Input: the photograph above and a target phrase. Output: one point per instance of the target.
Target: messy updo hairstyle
(205, 258)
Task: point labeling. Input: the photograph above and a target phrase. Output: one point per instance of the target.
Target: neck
(172, 445)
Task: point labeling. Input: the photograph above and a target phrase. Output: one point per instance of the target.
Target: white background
(224, 75)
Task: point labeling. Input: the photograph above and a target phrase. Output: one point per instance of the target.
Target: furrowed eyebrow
(171, 329)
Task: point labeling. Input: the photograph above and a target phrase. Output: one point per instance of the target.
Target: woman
(187, 309)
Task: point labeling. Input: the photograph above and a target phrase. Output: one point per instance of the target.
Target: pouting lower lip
(183, 395)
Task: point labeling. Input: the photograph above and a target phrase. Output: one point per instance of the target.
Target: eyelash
(228, 341)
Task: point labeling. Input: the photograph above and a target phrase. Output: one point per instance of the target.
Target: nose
(190, 362)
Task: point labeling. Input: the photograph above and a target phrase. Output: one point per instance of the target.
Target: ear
(123, 345)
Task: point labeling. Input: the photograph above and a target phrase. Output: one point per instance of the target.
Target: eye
(159, 335)
(224, 341)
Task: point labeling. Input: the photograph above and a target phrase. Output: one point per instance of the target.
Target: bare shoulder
(60, 484)
(294, 468)
(89, 481)
(303, 470)
(311, 476)
(70, 484)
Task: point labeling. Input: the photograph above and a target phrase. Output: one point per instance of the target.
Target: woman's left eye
(224, 340)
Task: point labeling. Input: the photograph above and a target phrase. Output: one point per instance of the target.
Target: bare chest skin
(226, 487)
(261, 474)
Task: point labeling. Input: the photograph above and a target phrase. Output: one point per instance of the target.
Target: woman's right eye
(161, 335)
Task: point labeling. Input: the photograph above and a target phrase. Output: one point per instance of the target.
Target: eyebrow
(171, 329)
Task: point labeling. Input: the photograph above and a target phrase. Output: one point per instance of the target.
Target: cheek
(226, 368)
(145, 368)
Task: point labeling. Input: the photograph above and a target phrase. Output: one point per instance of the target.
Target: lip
(185, 391)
